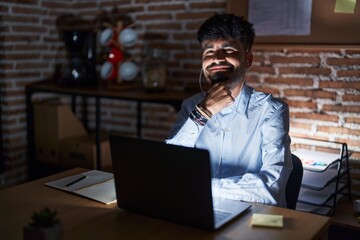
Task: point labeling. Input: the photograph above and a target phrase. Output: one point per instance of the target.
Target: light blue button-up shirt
(249, 146)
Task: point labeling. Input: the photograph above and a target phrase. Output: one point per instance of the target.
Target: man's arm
(185, 131)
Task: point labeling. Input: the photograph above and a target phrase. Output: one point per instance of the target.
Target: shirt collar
(241, 102)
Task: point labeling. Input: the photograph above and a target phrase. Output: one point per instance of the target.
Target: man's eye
(208, 53)
(229, 50)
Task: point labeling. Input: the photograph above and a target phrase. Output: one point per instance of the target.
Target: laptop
(168, 182)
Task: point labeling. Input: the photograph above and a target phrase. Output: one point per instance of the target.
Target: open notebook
(94, 184)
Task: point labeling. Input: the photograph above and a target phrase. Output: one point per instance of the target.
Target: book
(267, 220)
(94, 184)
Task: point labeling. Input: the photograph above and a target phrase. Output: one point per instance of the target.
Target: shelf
(315, 181)
(319, 197)
(326, 176)
(326, 209)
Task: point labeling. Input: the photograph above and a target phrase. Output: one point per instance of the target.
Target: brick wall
(320, 83)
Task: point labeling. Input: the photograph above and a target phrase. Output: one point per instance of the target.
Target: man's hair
(222, 26)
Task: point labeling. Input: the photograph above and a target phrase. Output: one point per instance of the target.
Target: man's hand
(217, 98)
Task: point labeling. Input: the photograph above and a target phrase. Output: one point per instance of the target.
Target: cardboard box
(53, 122)
(81, 152)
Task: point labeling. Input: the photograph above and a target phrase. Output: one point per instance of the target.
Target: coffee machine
(80, 66)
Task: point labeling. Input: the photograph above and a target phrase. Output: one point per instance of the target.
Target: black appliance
(80, 66)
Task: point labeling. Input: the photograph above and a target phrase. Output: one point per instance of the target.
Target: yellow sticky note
(345, 6)
(267, 220)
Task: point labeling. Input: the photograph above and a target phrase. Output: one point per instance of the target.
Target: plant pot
(52, 233)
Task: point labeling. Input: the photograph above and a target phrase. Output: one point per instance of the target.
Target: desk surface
(86, 219)
(345, 215)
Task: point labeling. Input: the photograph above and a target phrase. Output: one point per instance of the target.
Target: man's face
(224, 59)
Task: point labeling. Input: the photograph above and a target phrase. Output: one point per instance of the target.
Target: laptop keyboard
(220, 215)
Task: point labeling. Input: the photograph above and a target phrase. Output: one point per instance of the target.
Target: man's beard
(219, 77)
(236, 75)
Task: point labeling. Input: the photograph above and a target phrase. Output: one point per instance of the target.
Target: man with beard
(245, 131)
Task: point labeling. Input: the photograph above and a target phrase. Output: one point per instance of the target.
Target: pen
(75, 181)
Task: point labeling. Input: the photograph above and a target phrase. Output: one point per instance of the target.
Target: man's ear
(248, 59)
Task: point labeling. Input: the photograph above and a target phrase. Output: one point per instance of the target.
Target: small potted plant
(44, 225)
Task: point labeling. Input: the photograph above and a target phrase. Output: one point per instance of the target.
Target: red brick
(22, 19)
(7, 66)
(355, 155)
(343, 61)
(163, 26)
(23, 75)
(21, 56)
(12, 93)
(32, 29)
(28, 10)
(339, 130)
(294, 124)
(314, 49)
(56, 5)
(262, 69)
(4, 9)
(316, 116)
(148, 1)
(82, 5)
(351, 51)
(185, 36)
(302, 134)
(162, 16)
(352, 120)
(314, 94)
(259, 59)
(348, 73)
(302, 104)
(252, 79)
(33, 2)
(167, 7)
(341, 108)
(305, 70)
(193, 15)
(22, 38)
(351, 97)
(193, 25)
(187, 55)
(350, 142)
(339, 84)
(32, 47)
(207, 5)
(290, 81)
(297, 59)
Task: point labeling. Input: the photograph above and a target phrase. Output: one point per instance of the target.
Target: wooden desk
(130, 93)
(86, 219)
(344, 223)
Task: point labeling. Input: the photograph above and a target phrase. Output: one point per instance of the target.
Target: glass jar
(154, 69)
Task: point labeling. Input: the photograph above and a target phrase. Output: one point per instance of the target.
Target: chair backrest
(294, 183)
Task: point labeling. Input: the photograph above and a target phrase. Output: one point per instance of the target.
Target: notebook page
(94, 184)
(104, 192)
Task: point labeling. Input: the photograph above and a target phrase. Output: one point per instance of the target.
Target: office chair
(294, 183)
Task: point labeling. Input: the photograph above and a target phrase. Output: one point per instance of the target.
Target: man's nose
(219, 56)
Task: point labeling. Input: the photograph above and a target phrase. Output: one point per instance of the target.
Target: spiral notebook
(96, 185)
